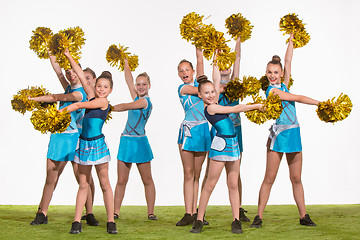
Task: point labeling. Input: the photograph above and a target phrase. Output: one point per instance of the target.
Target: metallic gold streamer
(273, 106)
(256, 116)
(21, 102)
(237, 26)
(39, 41)
(333, 111)
(251, 85)
(235, 90)
(290, 23)
(189, 25)
(116, 55)
(109, 115)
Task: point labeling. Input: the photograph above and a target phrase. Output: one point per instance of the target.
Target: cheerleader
(62, 145)
(92, 148)
(235, 117)
(224, 150)
(284, 138)
(194, 135)
(134, 145)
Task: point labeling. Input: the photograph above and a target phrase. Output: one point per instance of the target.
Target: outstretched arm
(293, 97)
(80, 73)
(288, 59)
(129, 80)
(236, 66)
(96, 103)
(58, 71)
(69, 97)
(216, 108)
(199, 62)
(138, 104)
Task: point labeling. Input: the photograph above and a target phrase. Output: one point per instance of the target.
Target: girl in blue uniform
(62, 145)
(92, 148)
(224, 150)
(284, 138)
(194, 136)
(235, 117)
(134, 145)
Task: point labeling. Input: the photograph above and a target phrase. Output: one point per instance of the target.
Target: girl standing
(134, 145)
(284, 138)
(194, 136)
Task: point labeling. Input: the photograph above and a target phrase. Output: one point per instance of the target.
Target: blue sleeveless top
(192, 104)
(76, 116)
(93, 121)
(288, 115)
(137, 119)
(224, 101)
(222, 123)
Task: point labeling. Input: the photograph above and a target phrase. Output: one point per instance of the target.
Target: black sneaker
(197, 226)
(307, 221)
(111, 228)
(257, 222)
(76, 228)
(83, 217)
(243, 218)
(90, 220)
(39, 219)
(116, 216)
(236, 226)
(152, 217)
(186, 220)
(204, 220)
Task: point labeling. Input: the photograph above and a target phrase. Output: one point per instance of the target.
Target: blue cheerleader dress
(92, 148)
(235, 118)
(285, 133)
(224, 146)
(194, 134)
(62, 145)
(134, 145)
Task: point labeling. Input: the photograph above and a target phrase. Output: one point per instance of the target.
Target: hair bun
(201, 78)
(276, 58)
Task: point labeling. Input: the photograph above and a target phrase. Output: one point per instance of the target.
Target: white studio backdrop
(324, 68)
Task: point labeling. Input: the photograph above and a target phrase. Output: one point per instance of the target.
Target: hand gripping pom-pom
(115, 55)
(50, 120)
(292, 24)
(225, 60)
(273, 106)
(39, 41)
(333, 111)
(21, 102)
(256, 116)
(237, 26)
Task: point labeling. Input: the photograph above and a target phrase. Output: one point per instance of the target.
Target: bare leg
(295, 165)
(84, 182)
(188, 160)
(206, 173)
(199, 160)
(215, 168)
(272, 166)
(146, 177)
(103, 175)
(232, 173)
(53, 172)
(123, 170)
(240, 184)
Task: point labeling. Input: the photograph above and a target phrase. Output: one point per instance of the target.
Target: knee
(122, 181)
(295, 179)
(188, 174)
(269, 180)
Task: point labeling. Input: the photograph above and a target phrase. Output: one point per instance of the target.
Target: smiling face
(72, 77)
(102, 88)
(207, 93)
(186, 72)
(142, 86)
(274, 73)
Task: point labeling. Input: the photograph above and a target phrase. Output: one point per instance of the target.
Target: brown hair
(275, 61)
(186, 61)
(202, 80)
(107, 75)
(144, 74)
(89, 70)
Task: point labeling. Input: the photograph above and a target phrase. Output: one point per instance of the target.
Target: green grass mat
(279, 222)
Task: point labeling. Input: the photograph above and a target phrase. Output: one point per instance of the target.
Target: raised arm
(58, 71)
(80, 73)
(216, 76)
(129, 80)
(199, 62)
(288, 59)
(236, 66)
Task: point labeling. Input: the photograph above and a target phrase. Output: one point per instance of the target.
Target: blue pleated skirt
(92, 151)
(134, 149)
(225, 148)
(199, 141)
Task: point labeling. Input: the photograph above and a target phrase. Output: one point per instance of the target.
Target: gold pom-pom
(237, 26)
(264, 82)
(189, 25)
(256, 116)
(50, 120)
(71, 38)
(251, 85)
(333, 111)
(213, 40)
(225, 60)
(273, 106)
(115, 55)
(235, 90)
(292, 24)
(39, 41)
(109, 115)
(21, 102)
